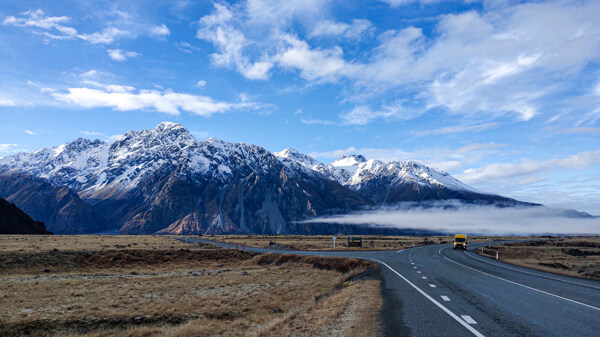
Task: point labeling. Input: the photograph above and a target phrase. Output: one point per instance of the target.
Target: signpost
(355, 242)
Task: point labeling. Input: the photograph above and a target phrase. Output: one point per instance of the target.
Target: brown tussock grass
(571, 256)
(173, 291)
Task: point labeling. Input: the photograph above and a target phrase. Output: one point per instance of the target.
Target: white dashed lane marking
(424, 277)
(446, 298)
(468, 319)
(432, 285)
(438, 304)
(418, 272)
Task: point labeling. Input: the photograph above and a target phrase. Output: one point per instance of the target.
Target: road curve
(436, 291)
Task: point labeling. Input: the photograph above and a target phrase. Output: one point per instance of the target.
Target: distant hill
(15, 221)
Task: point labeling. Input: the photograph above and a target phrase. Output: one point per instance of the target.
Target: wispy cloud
(581, 130)
(11, 148)
(353, 31)
(517, 63)
(55, 27)
(91, 133)
(127, 98)
(121, 55)
(7, 102)
(201, 83)
(185, 47)
(456, 129)
(444, 158)
(500, 172)
(311, 121)
(29, 132)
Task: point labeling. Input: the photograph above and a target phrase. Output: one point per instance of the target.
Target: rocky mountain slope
(15, 221)
(163, 180)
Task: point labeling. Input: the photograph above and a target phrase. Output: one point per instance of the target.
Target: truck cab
(460, 241)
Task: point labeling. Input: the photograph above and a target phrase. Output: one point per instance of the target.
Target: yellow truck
(460, 241)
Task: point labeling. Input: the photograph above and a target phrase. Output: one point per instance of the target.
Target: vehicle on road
(460, 241)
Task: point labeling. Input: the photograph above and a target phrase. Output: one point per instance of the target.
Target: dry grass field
(325, 242)
(159, 286)
(573, 256)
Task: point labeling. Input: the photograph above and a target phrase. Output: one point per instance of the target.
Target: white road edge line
(534, 274)
(522, 285)
(468, 319)
(438, 304)
(445, 298)
(400, 251)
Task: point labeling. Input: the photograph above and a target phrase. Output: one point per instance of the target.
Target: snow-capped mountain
(392, 182)
(164, 180)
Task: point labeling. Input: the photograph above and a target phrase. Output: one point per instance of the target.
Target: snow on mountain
(354, 170)
(295, 160)
(164, 180)
(98, 169)
(401, 173)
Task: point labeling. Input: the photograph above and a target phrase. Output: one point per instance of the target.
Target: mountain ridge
(164, 180)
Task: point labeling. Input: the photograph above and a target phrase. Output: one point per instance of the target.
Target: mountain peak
(166, 125)
(349, 160)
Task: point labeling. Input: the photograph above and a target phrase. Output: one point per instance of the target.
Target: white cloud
(7, 102)
(321, 65)
(444, 158)
(451, 217)
(311, 121)
(161, 31)
(355, 30)
(185, 47)
(121, 55)
(516, 59)
(201, 83)
(397, 3)
(107, 36)
(91, 133)
(53, 27)
(29, 132)
(126, 98)
(363, 114)
(528, 168)
(230, 43)
(456, 129)
(10, 148)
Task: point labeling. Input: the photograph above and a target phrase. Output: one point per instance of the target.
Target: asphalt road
(437, 291)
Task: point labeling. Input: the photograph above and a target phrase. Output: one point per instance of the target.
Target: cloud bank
(472, 219)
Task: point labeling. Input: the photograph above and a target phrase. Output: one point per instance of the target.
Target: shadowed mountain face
(15, 221)
(165, 181)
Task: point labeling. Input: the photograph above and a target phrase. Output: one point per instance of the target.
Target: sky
(504, 95)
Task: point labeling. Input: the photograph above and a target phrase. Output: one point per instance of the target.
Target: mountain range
(165, 181)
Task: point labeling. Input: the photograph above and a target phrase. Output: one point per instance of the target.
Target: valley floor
(160, 286)
(573, 256)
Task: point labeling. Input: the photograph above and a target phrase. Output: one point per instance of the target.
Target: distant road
(437, 291)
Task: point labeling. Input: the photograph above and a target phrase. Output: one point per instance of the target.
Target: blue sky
(504, 95)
